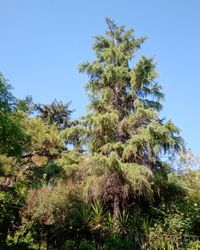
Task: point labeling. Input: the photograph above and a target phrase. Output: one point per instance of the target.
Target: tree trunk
(50, 245)
(117, 98)
(49, 240)
(116, 207)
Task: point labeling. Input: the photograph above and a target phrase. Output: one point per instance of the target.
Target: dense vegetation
(108, 180)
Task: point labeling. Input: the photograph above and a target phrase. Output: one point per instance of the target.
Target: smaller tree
(12, 135)
(55, 113)
(7, 100)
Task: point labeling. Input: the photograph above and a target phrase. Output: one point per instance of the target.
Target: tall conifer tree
(123, 124)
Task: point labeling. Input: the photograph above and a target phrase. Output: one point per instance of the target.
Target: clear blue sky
(42, 43)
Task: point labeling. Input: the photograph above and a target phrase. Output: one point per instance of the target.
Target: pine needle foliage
(125, 100)
(127, 138)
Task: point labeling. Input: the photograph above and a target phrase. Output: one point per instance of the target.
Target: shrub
(194, 245)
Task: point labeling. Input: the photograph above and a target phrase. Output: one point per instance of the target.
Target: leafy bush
(69, 245)
(194, 245)
(117, 243)
(86, 245)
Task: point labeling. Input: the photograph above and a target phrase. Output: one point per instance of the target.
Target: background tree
(55, 113)
(12, 139)
(11, 131)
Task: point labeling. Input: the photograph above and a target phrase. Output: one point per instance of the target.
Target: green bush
(116, 243)
(194, 245)
(86, 245)
(69, 245)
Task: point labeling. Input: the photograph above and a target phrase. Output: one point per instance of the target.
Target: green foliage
(22, 241)
(117, 243)
(11, 201)
(12, 134)
(125, 101)
(25, 105)
(194, 245)
(7, 165)
(11, 131)
(74, 136)
(86, 245)
(55, 113)
(45, 139)
(69, 245)
(7, 100)
(47, 205)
